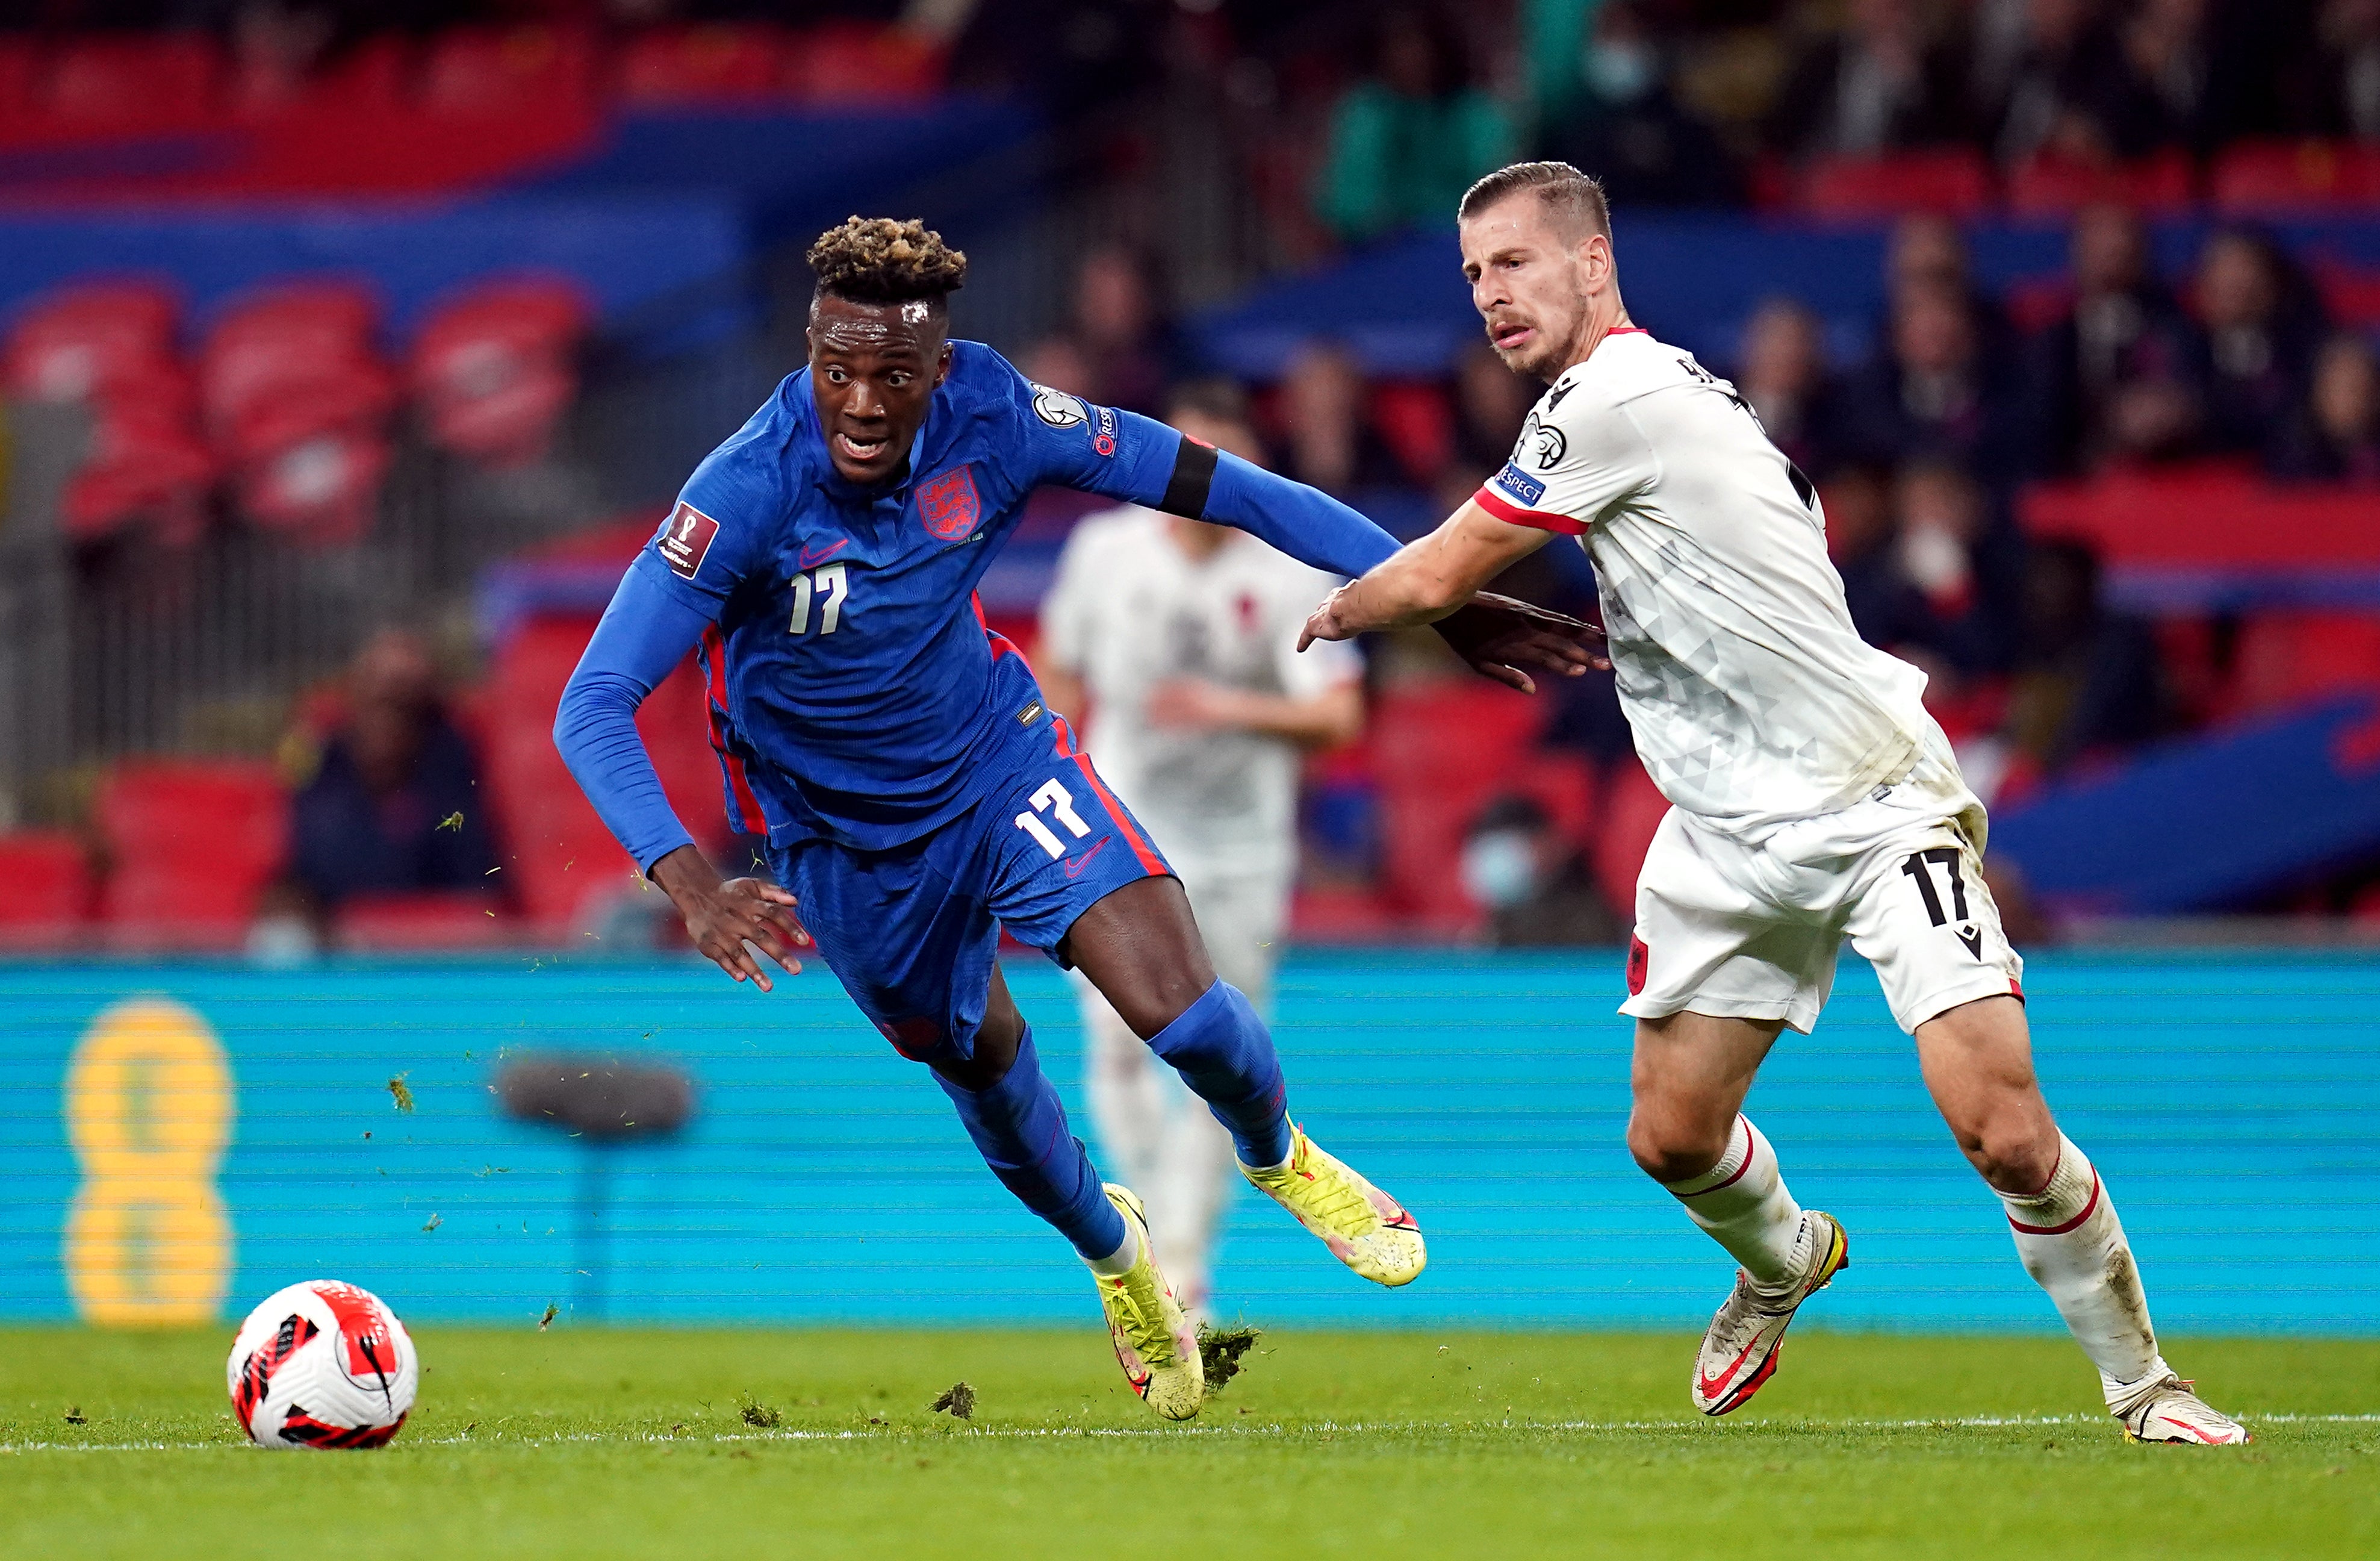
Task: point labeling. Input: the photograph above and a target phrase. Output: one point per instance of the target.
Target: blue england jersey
(857, 695)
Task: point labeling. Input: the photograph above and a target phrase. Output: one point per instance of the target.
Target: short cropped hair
(1573, 199)
(877, 260)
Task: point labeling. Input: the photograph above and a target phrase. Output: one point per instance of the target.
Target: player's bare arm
(1436, 580)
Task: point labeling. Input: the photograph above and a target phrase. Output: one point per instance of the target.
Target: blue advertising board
(178, 1139)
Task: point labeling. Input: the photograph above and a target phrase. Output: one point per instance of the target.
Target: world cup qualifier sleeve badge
(949, 505)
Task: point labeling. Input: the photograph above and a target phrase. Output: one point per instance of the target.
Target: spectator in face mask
(1537, 892)
(1629, 128)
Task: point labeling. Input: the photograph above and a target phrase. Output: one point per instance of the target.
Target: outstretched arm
(644, 634)
(1497, 636)
(1436, 580)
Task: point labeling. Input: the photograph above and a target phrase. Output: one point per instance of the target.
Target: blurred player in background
(1172, 644)
(1813, 799)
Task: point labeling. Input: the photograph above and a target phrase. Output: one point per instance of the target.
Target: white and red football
(322, 1364)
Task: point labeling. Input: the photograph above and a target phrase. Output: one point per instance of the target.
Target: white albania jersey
(1751, 698)
(1131, 610)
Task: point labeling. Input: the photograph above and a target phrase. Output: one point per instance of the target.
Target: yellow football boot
(1153, 1341)
(1370, 1231)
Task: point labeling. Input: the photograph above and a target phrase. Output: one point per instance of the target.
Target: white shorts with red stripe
(1738, 930)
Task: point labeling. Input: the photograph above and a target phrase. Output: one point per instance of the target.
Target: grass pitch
(639, 1444)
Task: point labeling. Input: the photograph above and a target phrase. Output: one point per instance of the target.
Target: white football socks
(2069, 1240)
(1123, 1258)
(1742, 1202)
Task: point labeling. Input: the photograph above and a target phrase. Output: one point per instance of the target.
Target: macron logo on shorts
(1521, 485)
(687, 539)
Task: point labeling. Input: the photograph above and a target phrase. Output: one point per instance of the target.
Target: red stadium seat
(2284, 658)
(2350, 292)
(431, 919)
(109, 346)
(141, 467)
(48, 902)
(1416, 424)
(20, 60)
(496, 369)
(851, 62)
(2051, 186)
(133, 82)
(297, 400)
(75, 343)
(1443, 749)
(516, 70)
(696, 66)
(2272, 178)
(190, 844)
(1955, 181)
(302, 346)
(1632, 809)
(558, 857)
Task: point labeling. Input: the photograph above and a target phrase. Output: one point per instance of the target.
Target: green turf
(633, 1444)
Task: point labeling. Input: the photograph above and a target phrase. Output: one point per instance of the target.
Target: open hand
(723, 917)
(1498, 637)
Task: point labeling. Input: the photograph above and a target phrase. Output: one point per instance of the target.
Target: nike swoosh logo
(813, 556)
(2190, 1428)
(1556, 399)
(1975, 941)
(1710, 1386)
(1074, 865)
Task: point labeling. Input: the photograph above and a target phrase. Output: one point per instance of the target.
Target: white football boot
(1739, 1351)
(2163, 1409)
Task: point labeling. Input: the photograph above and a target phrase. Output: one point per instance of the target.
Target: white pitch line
(1020, 1433)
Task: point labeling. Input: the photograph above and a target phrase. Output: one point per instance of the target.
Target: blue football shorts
(911, 933)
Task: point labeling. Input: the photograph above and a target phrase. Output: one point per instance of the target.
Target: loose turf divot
(1219, 1350)
(956, 1400)
(759, 1415)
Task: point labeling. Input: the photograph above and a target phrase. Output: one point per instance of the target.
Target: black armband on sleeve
(1193, 473)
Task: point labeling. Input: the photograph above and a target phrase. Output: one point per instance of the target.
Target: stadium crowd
(1923, 446)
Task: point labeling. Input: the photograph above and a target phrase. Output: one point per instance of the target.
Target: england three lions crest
(949, 505)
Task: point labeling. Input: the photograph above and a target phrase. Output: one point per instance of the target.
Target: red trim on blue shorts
(1149, 860)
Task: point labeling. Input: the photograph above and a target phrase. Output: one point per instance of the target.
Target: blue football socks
(1020, 1129)
(1224, 1054)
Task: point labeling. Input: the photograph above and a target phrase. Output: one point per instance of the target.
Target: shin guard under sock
(2069, 1240)
(1020, 1129)
(1742, 1202)
(1225, 1054)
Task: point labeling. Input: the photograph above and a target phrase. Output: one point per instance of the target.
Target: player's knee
(2014, 1149)
(1669, 1149)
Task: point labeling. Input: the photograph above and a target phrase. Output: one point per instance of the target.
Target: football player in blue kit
(916, 795)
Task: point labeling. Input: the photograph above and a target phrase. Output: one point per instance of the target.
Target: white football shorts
(1738, 931)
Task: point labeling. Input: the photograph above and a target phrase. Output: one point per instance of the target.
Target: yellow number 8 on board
(149, 1109)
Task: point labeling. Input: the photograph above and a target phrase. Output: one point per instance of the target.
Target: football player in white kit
(1181, 639)
(1813, 799)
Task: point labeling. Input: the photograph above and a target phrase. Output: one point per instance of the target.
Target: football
(322, 1364)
